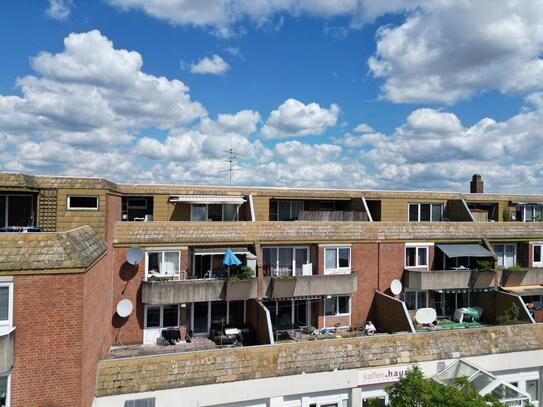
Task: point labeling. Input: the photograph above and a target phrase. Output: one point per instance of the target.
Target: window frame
(207, 212)
(416, 292)
(8, 322)
(163, 251)
(291, 204)
(336, 297)
(540, 262)
(338, 269)
(5, 215)
(417, 247)
(76, 208)
(293, 265)
(504, 257)
(161, 307)
(419, 211)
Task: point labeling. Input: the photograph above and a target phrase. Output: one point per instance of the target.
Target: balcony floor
(130, 351)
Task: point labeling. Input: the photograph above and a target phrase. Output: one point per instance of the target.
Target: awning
(208, 199)
(464, 250)
(220, 250)
(525, 289)
(528, 203)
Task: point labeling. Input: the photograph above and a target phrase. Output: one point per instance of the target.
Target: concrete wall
(257, 319)
(456, 211)
(7, 350)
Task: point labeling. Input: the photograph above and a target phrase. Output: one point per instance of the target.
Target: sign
(381, 376)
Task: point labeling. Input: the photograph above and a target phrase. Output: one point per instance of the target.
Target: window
(284, 261)
(415, 299)
(162, 316)
(506, 254)
(336, 306)
(83, 203)
(328, 206)
(285, 210)
(421, 212)
(530, 213)
(137, 203)
(416, 256)
(4, 386)
(150, 402)
(532, 388)
(337, 260)
(16, 210)
(6, 304)
(162, 264)
(538, 256)
(214, 212)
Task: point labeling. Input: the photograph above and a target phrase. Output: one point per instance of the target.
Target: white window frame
(337, 269)
(293, 265)
(337, 306)
(207, 212)
(175, 276)
(75, 208)
(161, 316)
(532, 206)
(418, 246)
(538, 263)
(416, 297)
(418, 210)
(505, 252)
(9, 322)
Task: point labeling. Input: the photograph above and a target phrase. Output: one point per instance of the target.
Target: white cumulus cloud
(59, 9)
(213, 65)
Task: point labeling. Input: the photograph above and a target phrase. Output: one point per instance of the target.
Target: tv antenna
(231, 160)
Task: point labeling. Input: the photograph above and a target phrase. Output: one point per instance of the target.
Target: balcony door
(506, 254)
(201, 312)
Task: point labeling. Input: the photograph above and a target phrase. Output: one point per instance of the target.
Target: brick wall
(48, 311)
(391, 264)
(364, 261)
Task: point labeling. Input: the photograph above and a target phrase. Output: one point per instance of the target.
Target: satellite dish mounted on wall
(124, 308)
(134, 255)
(425, 315)
(396, 287)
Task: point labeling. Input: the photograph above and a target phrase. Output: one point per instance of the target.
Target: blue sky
(343, 93)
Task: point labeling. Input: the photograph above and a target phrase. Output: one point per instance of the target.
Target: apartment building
(142, 295)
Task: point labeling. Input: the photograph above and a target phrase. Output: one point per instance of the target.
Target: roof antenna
(231, 160)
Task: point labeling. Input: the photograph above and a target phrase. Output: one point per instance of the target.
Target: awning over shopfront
(463, 250)
(208, 199)
(525, 290)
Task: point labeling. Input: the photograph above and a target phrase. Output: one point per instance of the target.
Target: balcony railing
(523, 276)
(448, 279)
(312, 285)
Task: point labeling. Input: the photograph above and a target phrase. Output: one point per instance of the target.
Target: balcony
(197, 290)
(313, 285)
(452, 279)
(523, 276)
(7, 348)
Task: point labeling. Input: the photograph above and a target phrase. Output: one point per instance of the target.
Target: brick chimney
(476, 186)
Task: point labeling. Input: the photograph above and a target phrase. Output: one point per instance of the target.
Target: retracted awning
(220, 250)
(208, 199)
(525, 290)
(464, 250)
(528, 203)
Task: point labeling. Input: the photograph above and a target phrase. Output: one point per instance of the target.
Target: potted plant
(484, 276)
(514, 275)
(241, 284)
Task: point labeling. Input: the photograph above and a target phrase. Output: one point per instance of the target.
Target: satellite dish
(124, 308)
(425, 315)
(396, 287)
(134, 255)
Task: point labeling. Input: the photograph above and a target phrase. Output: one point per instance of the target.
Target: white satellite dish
(134, 255)
(124, 308)
(425, 315)
(396, 287)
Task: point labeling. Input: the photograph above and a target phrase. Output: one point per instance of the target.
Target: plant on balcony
(506, 215)
(510, 316)
(286, 277)
(242, 274)
(485, 265)
(514, 269)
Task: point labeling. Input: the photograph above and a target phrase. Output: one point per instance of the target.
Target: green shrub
(514, 269)
(485, 265)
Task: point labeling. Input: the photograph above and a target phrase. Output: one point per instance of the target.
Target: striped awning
(208, 199)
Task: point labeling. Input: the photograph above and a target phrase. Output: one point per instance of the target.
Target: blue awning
(453, 250)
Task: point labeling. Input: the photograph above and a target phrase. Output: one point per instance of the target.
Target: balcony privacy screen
(464, 250)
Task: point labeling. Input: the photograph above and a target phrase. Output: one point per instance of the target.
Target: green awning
(463, 250)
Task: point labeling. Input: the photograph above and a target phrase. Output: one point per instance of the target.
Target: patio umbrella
(230, 259)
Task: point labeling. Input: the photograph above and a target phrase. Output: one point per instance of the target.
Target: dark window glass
(83, 202)
(170, 315)
(410, 256)
(344, 255)
(214, 212)
(154, 262)
(330, 306)
(236, 313)
(150, 402)
(4, 303)
(413, 212)
(343, 305)
(3, 390)
(410, 300)
(436, 212)
(20, 210)
(537, 253)
(284, 211)
(218, 312)
(2, 211)
(153, 317)
(273, 210)
(425, 212)
(422, 256)
(421, 299)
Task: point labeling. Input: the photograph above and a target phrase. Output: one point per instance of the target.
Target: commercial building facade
(321, 264)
